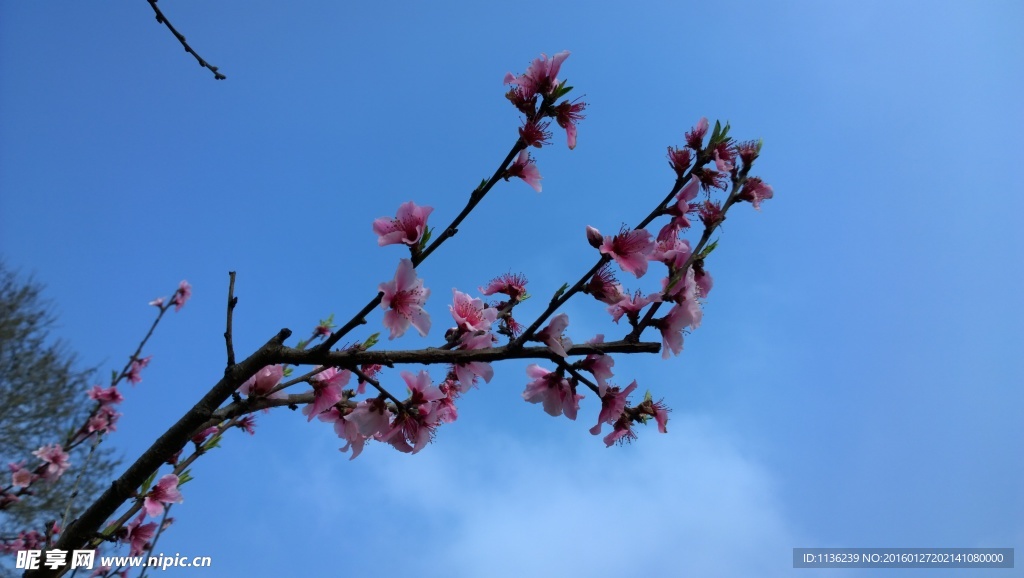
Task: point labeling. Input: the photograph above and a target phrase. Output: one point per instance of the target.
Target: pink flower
(134, 374)
(370, 417)
(704, 281)
(108, 396)
(466, 373)
(673, 252)
(421, 389)
(541, 77)
(711, 179)
(612, 403)
(711, 213)
(534, 134)
(513, 285)
(604, 287)
(748, 151)
(553, 390)
(631, 306)
(552, 334)
(410, 434)
(265, 380)
(164, 492)
(105, 420)
(369, 370)
(471, 314)
(326, 390)
(182, 295)
(200, 437)
(695, 138)
(629, 249)
(679, 160)
(248, 423)
(138, 534)
(447, 412)
(661, 416)
(524, 168)
(684, 288)
(658, 410)
(622, 432)
(21, 477)
(755, 191)
(403, 299)
(683, 206)
(349, 432)
(725, 156)
(600, 365)
(567, 114)
(56, 461)
(407, 227)
(672, 325)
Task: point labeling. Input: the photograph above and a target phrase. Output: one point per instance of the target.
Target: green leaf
(707, 250)
(715, 134)
(301, 344)
(371, 341)
(426, 237)
(147, 483)
(185, 477)
(113, 376)
(211, 443)
(329, 322)
(559, 292)
(287, 372)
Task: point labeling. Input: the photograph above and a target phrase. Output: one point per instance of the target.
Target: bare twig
(181, 38)
(232, 300)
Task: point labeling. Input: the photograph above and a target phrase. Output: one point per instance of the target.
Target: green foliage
(42, 398)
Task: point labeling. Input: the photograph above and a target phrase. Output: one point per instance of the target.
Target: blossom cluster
(54, 460)
(484, 327)
(701, 166)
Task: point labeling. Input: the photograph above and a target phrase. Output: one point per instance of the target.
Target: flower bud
(594, 237)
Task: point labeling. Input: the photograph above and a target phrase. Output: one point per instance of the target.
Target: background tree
(43, 393)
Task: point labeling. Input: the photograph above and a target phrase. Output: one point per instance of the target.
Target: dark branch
(181, 38)
(175, 438)
(232, 300)
(353, 357)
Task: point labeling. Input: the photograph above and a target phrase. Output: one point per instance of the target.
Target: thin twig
(232, 300)
(81, 472)
(181, 38)
(474, 199)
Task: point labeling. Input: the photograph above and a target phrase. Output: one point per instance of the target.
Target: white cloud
(679, 504)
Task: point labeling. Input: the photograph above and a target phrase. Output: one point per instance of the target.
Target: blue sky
(856, 381)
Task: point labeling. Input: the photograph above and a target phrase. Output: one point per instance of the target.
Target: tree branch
(232, 300)
(181, 38)
(82, 529)
(351, 357)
